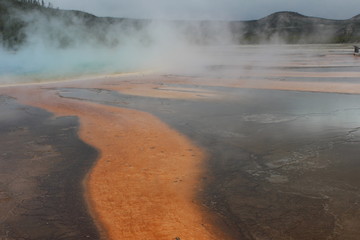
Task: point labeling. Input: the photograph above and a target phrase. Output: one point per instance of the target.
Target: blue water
(37, 63)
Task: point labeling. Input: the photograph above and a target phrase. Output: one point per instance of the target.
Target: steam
(63, 44)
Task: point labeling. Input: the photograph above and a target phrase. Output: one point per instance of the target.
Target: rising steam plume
(47, 42)
(41, 42)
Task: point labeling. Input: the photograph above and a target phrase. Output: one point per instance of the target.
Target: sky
(211, 9)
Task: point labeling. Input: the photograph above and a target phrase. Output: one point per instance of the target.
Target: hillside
(21, 22)
(291, 27)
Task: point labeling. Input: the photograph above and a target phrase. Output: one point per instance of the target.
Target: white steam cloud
(68, 44)
(61, 44)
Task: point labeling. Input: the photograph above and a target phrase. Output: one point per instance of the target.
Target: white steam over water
(69, 45)
(39, 63)
(39, 60)
(66, 46)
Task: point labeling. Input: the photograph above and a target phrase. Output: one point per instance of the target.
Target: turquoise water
(37, 63)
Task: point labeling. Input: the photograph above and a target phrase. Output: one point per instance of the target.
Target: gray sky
(212, 9)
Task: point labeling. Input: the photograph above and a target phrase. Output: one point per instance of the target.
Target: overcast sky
(212, 9)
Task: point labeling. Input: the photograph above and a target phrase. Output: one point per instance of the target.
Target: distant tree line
(37, 3)
(12, 26)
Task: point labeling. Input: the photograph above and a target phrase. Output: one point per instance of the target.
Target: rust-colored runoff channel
(145, 181)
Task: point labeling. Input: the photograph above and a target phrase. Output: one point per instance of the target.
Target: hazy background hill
(20, 19)
(291, 27)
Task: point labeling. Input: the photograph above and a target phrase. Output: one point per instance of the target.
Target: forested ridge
(21, 18)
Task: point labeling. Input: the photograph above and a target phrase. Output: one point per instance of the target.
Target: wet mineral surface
(42, 166)
(283, 164)
(280, 164)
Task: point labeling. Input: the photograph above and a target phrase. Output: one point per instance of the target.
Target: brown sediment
(305, 86)
(159, 91)
(145, 182)
(152, 87)
(329, 87)
(163, 87)
(288, 73)
(314, 74)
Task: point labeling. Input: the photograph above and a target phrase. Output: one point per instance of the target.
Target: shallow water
(39, 64)
(282, 164)
(278, 159)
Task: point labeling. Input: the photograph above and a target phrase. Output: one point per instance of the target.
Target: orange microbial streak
(145, 182)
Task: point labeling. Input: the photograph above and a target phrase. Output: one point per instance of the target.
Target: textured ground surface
(42, 165)
(244, 150)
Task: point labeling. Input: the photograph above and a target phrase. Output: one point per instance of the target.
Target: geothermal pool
(249, 142)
